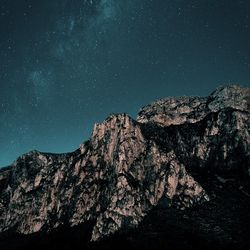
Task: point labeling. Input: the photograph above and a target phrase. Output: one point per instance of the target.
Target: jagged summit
(230, 90)
(231, 96)
(178, 110)
(128, 166)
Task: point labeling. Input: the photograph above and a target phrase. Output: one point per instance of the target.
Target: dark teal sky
(65, 64)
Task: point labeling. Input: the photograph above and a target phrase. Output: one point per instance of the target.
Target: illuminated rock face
(129, 166)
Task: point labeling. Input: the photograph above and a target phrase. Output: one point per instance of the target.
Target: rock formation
(128, 166)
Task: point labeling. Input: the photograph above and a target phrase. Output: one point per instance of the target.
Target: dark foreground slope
(223, 223)
(176, 178)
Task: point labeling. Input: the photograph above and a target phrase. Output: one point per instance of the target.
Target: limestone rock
(129, 166)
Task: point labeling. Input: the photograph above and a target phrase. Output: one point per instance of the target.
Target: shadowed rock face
(128, 166)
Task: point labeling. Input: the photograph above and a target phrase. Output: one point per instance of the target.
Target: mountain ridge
(128, 166)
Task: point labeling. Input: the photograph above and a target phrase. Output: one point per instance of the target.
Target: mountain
(177, 176)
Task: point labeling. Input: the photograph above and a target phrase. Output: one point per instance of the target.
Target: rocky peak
(231, 96)
(128, 167)
(179, 110)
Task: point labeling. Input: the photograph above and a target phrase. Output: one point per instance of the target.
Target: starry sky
(66, 64)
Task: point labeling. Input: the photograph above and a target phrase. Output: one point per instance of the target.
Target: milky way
(66, 64)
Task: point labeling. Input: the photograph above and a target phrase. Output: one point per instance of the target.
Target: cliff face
(211, 132)
(130, 166)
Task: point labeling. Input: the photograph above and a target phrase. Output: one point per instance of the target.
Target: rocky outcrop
(208, 132)
(129, 166)
(180, 110)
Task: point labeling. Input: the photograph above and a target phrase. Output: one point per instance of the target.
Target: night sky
(66, 64)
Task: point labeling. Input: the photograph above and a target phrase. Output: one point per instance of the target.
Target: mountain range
(177, 177)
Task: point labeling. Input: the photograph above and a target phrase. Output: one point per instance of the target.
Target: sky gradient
(66, 64)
